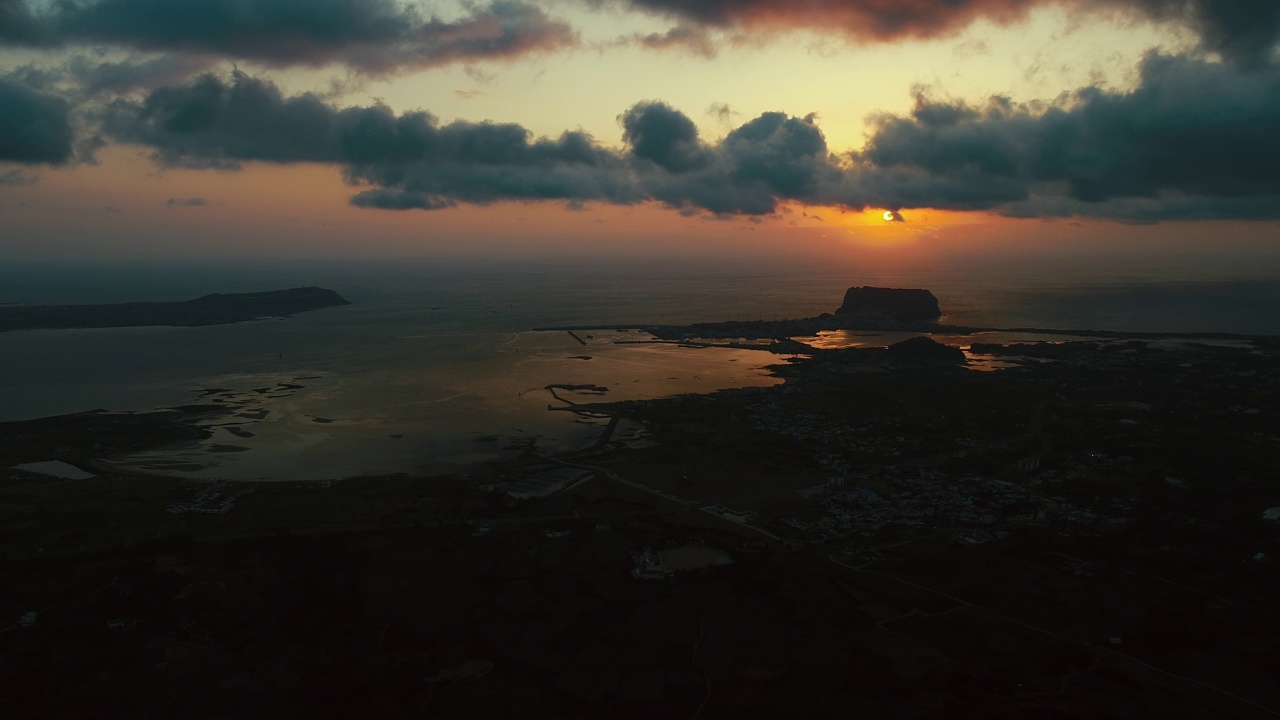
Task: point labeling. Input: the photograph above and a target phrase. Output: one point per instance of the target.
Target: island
(215, 309)
(893, 303)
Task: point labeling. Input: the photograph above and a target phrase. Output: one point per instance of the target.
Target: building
(648, 566)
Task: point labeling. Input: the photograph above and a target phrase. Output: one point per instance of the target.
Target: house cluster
(879, 437)
(648, 566)
(931, 498)
(214, 500)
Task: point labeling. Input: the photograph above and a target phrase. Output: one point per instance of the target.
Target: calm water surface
(434, 366)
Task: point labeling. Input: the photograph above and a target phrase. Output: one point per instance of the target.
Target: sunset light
(612, 359)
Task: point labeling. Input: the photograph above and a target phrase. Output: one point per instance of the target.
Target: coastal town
(889, 528)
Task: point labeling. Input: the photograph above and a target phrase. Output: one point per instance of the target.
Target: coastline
(214, 309)
(587, 404)
(940, 519)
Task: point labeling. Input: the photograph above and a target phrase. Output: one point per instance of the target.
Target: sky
(192, 128)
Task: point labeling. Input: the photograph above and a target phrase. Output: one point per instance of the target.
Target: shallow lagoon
(442, 356)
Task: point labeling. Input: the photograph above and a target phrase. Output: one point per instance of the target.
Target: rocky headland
(903, 305)
(215, 309)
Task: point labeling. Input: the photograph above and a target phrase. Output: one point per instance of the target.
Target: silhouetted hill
(894, 303)
(216, 309)
(926, 350)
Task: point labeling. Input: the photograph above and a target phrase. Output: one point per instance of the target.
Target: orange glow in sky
(835, 87)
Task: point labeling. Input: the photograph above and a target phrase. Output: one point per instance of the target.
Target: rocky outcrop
(889, 303)
(923, 349)
(207, 310)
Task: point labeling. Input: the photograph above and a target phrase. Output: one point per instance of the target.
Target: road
(664, 495)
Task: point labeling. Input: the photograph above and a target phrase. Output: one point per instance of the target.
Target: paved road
(664, 495)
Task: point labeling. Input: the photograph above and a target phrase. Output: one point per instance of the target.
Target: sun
(888, 216)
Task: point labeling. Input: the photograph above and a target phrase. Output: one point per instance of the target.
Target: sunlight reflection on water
(441, 355)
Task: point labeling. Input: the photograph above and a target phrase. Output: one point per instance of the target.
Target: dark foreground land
(1078, 536)
(216, 309)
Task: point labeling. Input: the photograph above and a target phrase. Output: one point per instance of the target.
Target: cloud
(1241, 31)
(134, 73)
(17, 178)
(487, 162)
(691, 38)
(1244, 31)
(1194, 139)
(664, 136)
(893, 216)
(1191, 129)
(865, 20)
(35, 127)
(379, 37)
(190, 202)
(788, 155)
(722, 112)
(371, 36)
(19, 24)
(212, 123)
(758, 165)
(400, 200)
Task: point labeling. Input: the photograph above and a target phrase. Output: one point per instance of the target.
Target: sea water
(435, 367)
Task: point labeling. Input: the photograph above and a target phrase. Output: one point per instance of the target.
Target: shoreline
(613, 411)
(1023, 538)
(786, 329)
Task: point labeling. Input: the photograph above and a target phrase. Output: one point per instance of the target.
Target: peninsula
(869, 309)
(215, 309)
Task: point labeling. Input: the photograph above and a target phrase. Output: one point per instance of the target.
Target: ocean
(434, 366)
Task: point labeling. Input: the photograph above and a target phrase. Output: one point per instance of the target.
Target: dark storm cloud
(786, 155)
(485, 162)
(664, 136)
(1241, 30)
(756, 166)
(215, 123)
(133, 73)
(379, 36)
(412, 160)
(35, 127)
(1166, 206)
(1190, 129)
(762, 163)
(210, 123)
(372, 36)
(1244, 31)
(20, 26)
(400, 200)
(34, 77)
(877, 20)
(773, 158)
(1194, 139)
